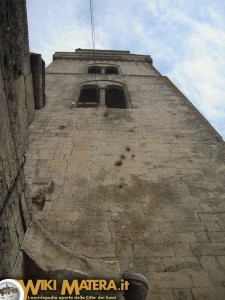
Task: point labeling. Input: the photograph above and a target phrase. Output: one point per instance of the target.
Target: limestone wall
(137, 189)
(79, 67)
(38, 75)
(16, 111)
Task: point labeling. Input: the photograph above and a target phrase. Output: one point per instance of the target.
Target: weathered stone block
(209, 293)
(201, 278)
(182, 294)
(38, 74)
(175, 264)
(221, 260)
(204, 249)
(209, 263)
(172, 280)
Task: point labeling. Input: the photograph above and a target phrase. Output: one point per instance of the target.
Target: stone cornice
(101, 55)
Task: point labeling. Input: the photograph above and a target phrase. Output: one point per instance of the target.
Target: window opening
(111, 70)
(94, 70)
(115, 98)
(89, 97)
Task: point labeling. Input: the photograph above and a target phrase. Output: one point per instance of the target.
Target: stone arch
(113, 89)
(103, 68)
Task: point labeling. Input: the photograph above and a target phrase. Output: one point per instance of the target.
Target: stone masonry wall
(161, 210)
(79, 67)
(38, 74)
(16, 110)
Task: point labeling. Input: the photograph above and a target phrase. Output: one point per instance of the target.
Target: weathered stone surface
(209, 263)
(16, 111)
(174, 264)
(61, 263)
(201, 278)
(172, 280)
(38, 75)
(209, 293)
(182, 294)
(16, 114)
(221, 260)
(160, 212)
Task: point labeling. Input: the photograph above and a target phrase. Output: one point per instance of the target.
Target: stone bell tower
(125, 171)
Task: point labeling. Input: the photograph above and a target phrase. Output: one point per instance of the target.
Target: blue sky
(186, 39)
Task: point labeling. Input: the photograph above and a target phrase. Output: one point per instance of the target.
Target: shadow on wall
(58, 262)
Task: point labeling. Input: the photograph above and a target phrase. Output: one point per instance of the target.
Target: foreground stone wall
(160, 211)
(38, 75)
(16, 110)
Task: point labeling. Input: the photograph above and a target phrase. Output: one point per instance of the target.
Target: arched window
(115, 97)
(89, 96)
(111, 70)
(94, 70)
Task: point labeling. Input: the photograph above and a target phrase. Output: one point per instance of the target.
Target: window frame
(103, 66)
(103, 84)
(86, 87)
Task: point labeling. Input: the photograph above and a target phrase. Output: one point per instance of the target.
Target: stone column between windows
(102, 98)
(102, 71)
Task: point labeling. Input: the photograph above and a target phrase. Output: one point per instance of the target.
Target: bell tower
(125, 171)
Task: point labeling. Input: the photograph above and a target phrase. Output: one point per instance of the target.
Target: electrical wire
(93, 42)
(92, 26)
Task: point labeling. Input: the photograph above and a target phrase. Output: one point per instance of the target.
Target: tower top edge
(91, 54)
(105, 52)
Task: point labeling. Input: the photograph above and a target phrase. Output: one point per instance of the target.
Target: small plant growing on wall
(122, 156)
(118, 163)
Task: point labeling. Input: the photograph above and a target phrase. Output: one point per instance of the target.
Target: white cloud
(55, 27)
(185, 38)
(201, 72)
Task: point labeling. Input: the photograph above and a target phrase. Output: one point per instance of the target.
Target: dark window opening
(89, 97)
(111, 70)
(94, 70)
(115, 98)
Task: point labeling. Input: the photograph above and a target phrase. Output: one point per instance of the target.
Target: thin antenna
(92, 24)
(93, 40)
(93, 30)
